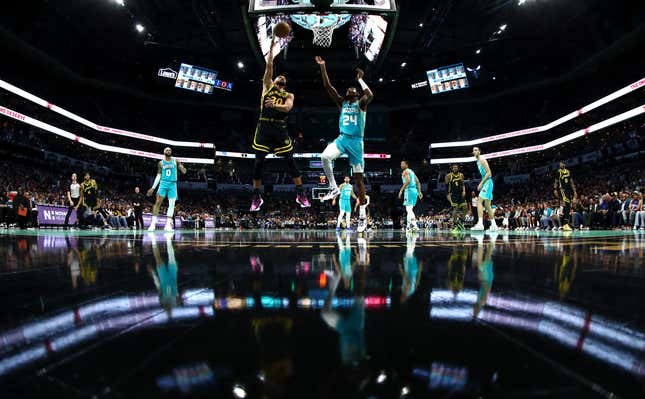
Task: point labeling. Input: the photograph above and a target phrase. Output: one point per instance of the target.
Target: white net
(323, 35)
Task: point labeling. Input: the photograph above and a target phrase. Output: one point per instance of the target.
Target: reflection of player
(350, 141)
(271, 135)
(351, 325)
(167, 176)
(485, 275)
(565, 273)
(164, 275)
(457, 269)
(412, 189)
(411, 270)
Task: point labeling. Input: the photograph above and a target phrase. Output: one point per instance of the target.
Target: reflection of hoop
(322, 25)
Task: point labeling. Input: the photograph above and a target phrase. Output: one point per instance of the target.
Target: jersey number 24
(350, 119)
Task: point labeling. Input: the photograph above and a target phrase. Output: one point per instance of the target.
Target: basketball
(282, 29)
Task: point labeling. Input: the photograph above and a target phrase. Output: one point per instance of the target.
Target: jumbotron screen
(201, 80)
(447, 78)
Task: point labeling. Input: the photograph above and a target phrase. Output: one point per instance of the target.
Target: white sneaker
(362, 225)
(168, 228)
(331, 194)
(477, 227)
(493, 227)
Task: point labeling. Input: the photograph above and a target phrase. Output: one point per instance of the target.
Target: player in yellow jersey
(271, 135)
(563, 187)
(456, 196)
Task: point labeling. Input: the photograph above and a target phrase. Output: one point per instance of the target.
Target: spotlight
(421, 25)
(140, 28)
(380, 80)
(240, 65)
(239, 391)
(478, 51)
(494, 78)
(405, 391)
(404, 64)
(120, 2)
(381, 377)
(502, 28)
(521, 2)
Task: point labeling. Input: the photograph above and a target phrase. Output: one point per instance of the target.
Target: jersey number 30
(350, 119)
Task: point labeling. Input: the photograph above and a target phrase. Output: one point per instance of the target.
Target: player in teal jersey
(167, 176)
(412, 189)
(350, 141)
(485, 193)
(346, 194)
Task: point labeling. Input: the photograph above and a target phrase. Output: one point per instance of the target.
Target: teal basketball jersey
(346, 192)
(413, 180)
(482, 170)
(169, 170)
(352, 120)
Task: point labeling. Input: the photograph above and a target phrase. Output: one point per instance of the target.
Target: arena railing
(538, 129)
(140, 136)
(541, 147)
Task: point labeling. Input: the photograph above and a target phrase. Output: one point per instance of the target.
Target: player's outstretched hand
(150, 192)
(319, 60)
(359, 74)
(420, 195)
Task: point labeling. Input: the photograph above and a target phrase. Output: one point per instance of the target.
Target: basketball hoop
(322, 25)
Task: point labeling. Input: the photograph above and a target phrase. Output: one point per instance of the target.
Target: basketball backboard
(268, 7)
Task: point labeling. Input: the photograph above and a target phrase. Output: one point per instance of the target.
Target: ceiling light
(494, 78)
(405, 391)
(380, 79)
(381, 377)
(502, 28)
(404, 64)
(140, 28)
(240, 65)
(120, 2)
(521, 2)
(478, 51)
(421, 25)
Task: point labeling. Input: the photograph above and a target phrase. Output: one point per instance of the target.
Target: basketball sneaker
(331, 194)
(566, 227)
(303, 200)
(257, 202)
(477, 227)
(362, 225)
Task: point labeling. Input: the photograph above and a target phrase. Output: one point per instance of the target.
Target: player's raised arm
(267, 80)
(331, 90)
(368, 96)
